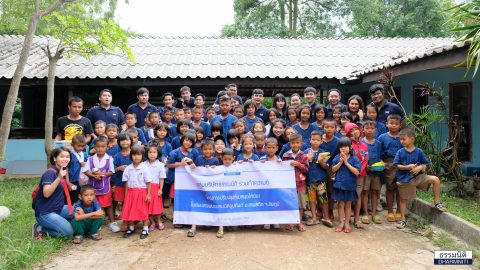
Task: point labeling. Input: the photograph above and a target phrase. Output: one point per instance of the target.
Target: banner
(241, 194)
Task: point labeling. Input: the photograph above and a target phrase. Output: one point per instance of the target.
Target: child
(158, 174)
(347, 168)
(198, 122)
(286, 134)
(320, 112)
(99, 169)
(179, 115)
(162, 133)
(233, 138)
(272, 114)
(210, 114)
(277, 132)
(345, 118)
(260, 150)
(154, 119)
(217, 129)
(271, 146)
(133, 135)
(112, 147)
(238, 112)
(120, 162)
(330, 144)
(187, 114)
(168, 117)
(168, 100)
(304, 128)
(292, 116)
(412, 163)
(99, 130)
(390, 142)
(360, 150)
(77, 165)
(316, 181)
(241, 126)
(182, 126)
(88, 216)
(372, 182)
(299, 160)
(280, 104)
(199, 136)
(130, 120)
(220, 145)
(259, 126)
(250, 118)
(137, 180)
(372, 114)
(224, 117)
(337, 113)
(248, 146)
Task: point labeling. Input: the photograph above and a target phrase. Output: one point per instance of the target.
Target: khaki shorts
(360, 185)
(302, 199)
(372, 182)
(390, 174)
(408, 190)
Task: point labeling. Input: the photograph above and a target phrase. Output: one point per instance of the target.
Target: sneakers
(37, 231)
(440, 207)
(266, 226)
(114, 227)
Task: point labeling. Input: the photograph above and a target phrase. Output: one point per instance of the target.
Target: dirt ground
(376, 247)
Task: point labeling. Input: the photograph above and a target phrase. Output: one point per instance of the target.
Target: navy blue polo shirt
(387, 109)
(330, 109)
(261, 113)
(141, 113)
(181, 105)
(112, 115)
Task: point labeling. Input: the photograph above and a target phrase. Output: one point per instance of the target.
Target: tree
(78, 29)
(36, 15)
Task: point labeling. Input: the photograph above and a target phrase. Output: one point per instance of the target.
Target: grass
(18, 249)
(466, 208)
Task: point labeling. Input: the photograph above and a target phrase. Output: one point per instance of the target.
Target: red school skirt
(105, 200)
(119, 195)
(155, 207)
(135, 206)
(172, 190)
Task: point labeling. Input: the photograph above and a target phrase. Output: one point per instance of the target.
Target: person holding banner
(299, 160)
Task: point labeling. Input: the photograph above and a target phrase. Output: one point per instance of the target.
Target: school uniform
(201, 161)
(157, 172)
(135, 206)
(176, 156)
(205, 126)
(141, 113)
(119, 160)
(103, 193)
(345, 184)
(390, 146)
(251, 121)
(372, 181)
(380, 129)
(408, 182)
(305, 133)
(227, 122)
(112, 151)
(88, 226)
(242, 157)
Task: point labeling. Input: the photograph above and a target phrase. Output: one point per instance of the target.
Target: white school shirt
(137, 177)
(157, 170)
(100, 163)
(81, 158)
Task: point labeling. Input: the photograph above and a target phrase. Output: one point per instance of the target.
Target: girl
(355, 108)
(320, 113)
(112, 146)
(162, 132)
(305, 128)
(182, 126)
(120, 162)
(247, 154)
(292, 117)
(219, 146)
(278, 127)
(157, 172)
(210, 114)
(372, 114)
(295, 101)
(217, 129)
(182, 156)
(337, 113)
(199, 136)
(259, 127)
(272, 114)
(241, 126)
(100, 127)
(238, 112)
(345, 118)
(137, 192)
(233, 138)
(280, 104)
(347, 168)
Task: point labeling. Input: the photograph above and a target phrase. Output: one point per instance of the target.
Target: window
(460, 103)
(419, 101)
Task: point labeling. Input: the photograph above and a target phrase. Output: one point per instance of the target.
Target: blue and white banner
(241, 194)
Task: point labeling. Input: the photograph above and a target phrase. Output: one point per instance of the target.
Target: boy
(210, 114)
(260, 150)
(299, 160)
(197, 117)
(411, 163)
(316, 181)
(225, 117)
(238, 112)
(390, 142)
(133, 134)
(187, 113)
(271, 147)
(88, 216)
(112, 132)
(372, 182)
(261, 112)
(250, 118)
(130, 120)
(207, 159)
(154, 119)
(99, 169)
(77, 163)
(330, 144)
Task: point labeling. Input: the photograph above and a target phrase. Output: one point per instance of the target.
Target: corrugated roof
(214, 57)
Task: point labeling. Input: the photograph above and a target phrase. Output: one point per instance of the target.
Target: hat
(348, 127)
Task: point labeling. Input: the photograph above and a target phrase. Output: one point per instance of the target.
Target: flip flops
(391, 217)
(376, 219)
(191, 233)
(220, 234)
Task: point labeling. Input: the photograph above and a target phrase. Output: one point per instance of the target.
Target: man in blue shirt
(385, 108)
(142, 108)
(261, 112)
(334, 96)
(310, 95)
(225, 117)
(187, 100)
(106, 112)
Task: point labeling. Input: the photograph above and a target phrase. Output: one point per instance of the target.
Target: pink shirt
(157, 170)
(136, 177)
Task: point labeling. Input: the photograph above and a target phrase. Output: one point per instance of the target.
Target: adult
(231, 89)
(106, 112)
(168, 100)
(261, 112)
(310, 95)
(334, 97)
(74, 123)
(356, 108)
(52, 215)
(142, 108)
(385, 108)
(295, 101)
(186, 99)
(280, 104)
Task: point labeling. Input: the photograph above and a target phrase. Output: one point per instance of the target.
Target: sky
(175, 17)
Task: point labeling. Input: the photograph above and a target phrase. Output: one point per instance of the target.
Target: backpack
(37, 188)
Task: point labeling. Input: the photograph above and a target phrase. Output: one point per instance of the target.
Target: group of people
(124, 165)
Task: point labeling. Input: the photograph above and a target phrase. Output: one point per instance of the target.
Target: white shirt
(137, 177)
(100, 163)
(157, 170)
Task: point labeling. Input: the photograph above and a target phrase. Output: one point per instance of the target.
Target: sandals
(401, 224)
(95, 237)
(347, 230)
(390, 217)
(376, 219)
(440, 207)
(151, 228)
(128, 233)
(301, 227)
(398, 217)
(327, 222)
(365, 219)
(339, 228)
(160, 226)
(144, 234)
(220, 234)
(312, 222)
(78, 239)
(191, 233)
(289, 227)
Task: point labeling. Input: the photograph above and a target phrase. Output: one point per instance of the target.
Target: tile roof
(214, 57)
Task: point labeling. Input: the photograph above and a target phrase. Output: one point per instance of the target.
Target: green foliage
(267, 102)
(17, 114)
(18, 249)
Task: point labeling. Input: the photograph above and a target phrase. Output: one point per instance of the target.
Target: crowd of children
(130, 173)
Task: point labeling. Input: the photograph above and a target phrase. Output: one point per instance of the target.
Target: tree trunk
(52, 67)
(282, 11)
(290, 18)
(295, 18)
